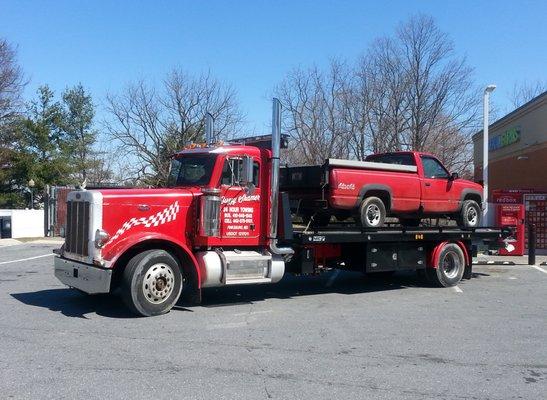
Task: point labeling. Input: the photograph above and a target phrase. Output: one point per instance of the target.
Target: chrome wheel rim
(472, 216)
(158, 283)
(451, 264)
(373, 214)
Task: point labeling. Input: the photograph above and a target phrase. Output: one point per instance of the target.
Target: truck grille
(77, 227)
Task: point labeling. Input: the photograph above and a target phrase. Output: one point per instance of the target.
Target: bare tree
(151, 123)
(440, 93)
(523, 92)
(12, 82)
(313, 103)
(377, 104)
(453, 147)
(408, 92)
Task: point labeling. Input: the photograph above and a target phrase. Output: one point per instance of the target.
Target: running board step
(247, 281)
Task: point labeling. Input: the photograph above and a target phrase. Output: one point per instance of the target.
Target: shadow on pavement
(341, 282)
(72, 303)
(479, 274)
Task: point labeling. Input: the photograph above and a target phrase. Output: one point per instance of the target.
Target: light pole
(30, 186)
(486, 100)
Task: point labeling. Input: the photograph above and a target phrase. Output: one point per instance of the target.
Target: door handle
(428, 184)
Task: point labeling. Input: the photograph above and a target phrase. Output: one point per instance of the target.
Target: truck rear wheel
(470, 215)
(450, 269)
(151, 283)
(372, 212)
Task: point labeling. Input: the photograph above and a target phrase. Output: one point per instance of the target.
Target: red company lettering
(240, 199)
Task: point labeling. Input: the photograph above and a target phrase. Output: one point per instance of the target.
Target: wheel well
(184, 259)
(382, 195)
(474, 196)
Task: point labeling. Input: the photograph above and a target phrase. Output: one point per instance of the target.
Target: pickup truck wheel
(450, 269)
(470, 214)
(151, 283)
(372, 212)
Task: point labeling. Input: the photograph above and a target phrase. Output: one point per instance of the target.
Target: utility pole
(486, 105)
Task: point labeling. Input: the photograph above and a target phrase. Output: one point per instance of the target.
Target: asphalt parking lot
(326, 337)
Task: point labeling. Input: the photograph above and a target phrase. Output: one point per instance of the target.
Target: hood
(147, 197)
(131, 215)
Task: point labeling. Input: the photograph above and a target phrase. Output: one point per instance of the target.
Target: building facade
(517, 171)
(517, 155)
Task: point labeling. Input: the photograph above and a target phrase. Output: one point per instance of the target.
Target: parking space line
(253, 313)
(26, 259)
(457, 289)
(539, 268)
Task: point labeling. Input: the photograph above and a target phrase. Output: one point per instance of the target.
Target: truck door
(438, 192)
(240, 209)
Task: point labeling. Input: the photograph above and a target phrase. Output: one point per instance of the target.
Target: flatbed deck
(395, 234)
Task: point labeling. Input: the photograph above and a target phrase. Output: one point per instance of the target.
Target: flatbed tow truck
(223, 221)
(392, 249)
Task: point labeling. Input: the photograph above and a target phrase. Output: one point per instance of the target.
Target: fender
(129, 242)
(374, 186)
(467, 191)
(433, 259)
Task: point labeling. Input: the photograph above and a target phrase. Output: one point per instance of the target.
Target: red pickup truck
(407, 185)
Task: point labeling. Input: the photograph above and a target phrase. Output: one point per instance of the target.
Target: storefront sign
(505, 139)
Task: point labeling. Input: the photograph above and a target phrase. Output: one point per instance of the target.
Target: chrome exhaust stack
(274, 183)
(209, 127)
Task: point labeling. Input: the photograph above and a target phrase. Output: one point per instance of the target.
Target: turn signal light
(101, 237)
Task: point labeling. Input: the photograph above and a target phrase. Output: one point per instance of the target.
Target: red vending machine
(512, 215)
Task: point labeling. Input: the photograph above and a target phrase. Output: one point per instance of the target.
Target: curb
(9, 242)
(493, 263)
(44, 241)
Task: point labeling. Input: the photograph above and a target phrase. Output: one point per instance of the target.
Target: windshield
(191, 170)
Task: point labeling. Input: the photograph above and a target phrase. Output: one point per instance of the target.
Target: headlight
(101, 237)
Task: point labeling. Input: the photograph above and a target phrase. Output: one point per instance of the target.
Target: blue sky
(252, 44)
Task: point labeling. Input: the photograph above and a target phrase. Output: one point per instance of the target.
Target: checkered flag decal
(166, 215)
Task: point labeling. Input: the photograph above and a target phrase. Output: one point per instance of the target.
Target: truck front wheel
(372, 212)
(470, 214)
(152, 282)
(450, 269)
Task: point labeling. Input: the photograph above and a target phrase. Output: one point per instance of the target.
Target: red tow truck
(221, 221)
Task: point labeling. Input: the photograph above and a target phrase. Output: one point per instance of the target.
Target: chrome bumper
(85, 277)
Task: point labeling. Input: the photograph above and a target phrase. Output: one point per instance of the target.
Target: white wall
(25, 223)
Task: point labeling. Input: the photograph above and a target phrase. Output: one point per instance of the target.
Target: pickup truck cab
(407, 185)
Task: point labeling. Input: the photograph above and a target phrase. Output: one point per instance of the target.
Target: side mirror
(247, 173)
(454, 176)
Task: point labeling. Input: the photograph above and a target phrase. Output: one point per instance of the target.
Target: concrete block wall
(25, 223)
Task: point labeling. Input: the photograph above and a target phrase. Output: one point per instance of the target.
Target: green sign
(505, 139)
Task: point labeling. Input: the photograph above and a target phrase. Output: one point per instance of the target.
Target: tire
(372, 213)
(470, 215)
(410, 222)
(151, 283)
(450, 269)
